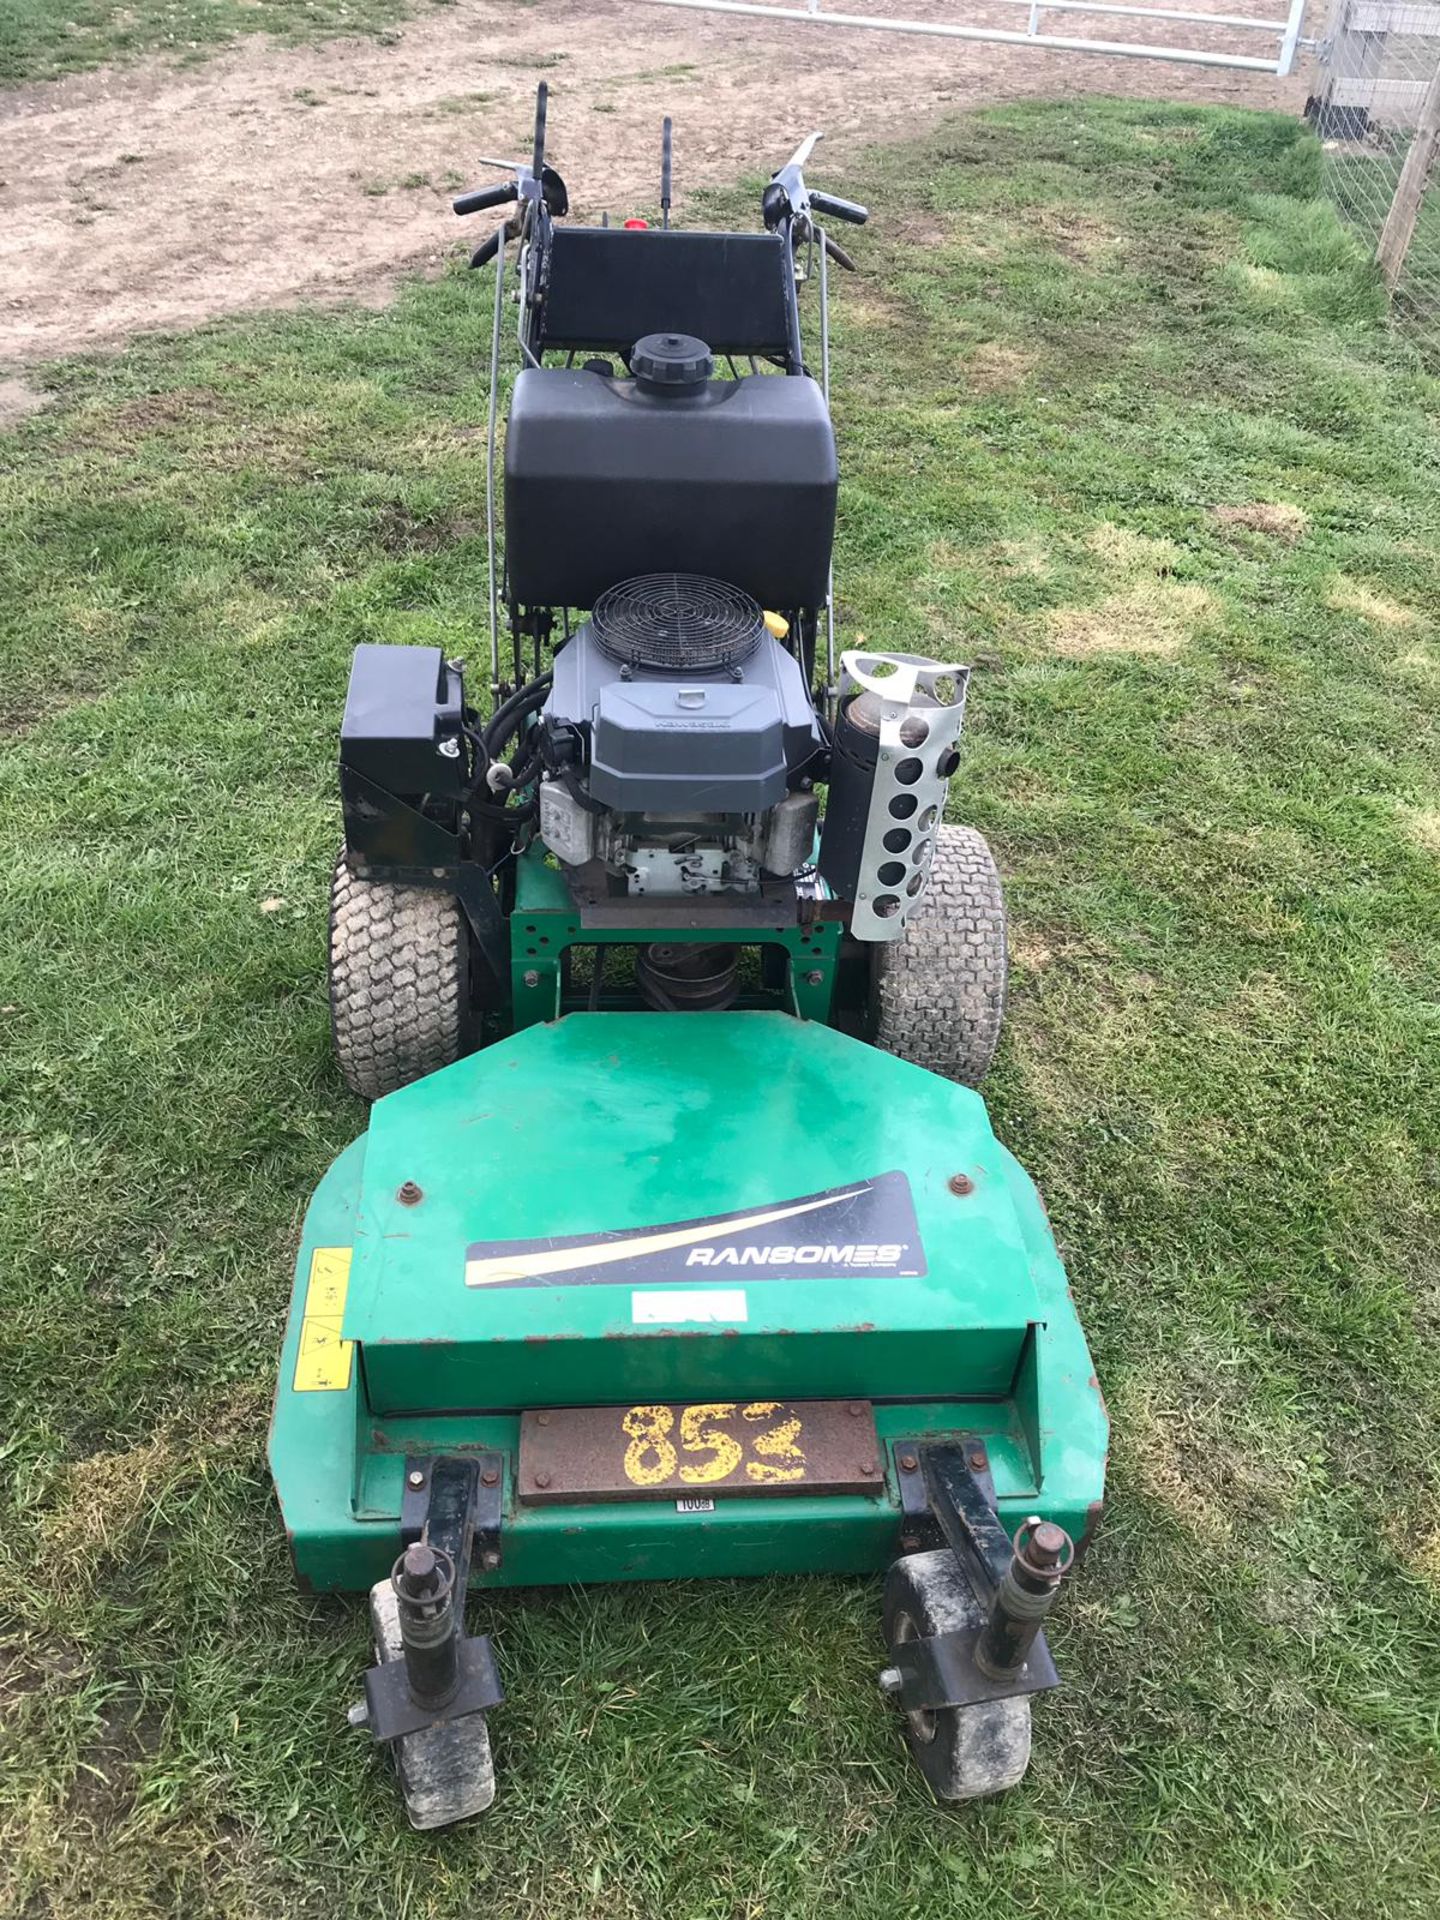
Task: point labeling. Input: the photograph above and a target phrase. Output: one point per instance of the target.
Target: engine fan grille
(676, 622)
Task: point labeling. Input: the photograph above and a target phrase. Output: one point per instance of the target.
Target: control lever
(488, 248)
(838, 254)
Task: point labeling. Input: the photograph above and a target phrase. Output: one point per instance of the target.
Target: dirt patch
(1157, 619)
(103, 1787)
(1029, 952)
(108, 1504)
(1353, 596)
(1417, 1546)
(1416, 663)
(1220, 1466)
(994, 368)
(18, 401)
(1032, 557)
(157, 198)
(36, 1666)
(1076, 237)
(107, 1501)
(1422, 824)
(1274, 517)
(401, 532)
(1127, 552)
(918, 227)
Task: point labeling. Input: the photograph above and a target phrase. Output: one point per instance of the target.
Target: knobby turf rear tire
(938, 992)
(399, 981)
(966, 1753)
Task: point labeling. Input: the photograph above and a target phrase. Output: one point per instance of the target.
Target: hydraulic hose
(506, 717)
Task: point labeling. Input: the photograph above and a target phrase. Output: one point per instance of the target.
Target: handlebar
(837, 209)
(787, 201)
(483, 197)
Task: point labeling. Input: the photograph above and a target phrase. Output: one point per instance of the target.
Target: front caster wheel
(965, 1753)
(445, 1771)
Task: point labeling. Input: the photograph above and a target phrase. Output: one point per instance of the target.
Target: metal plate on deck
(661, 1449)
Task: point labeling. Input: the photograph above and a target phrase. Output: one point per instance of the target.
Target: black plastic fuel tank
(608, 478)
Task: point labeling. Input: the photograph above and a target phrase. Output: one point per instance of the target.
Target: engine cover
(723, 740)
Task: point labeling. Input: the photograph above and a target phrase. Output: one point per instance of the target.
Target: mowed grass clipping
(1122, 423)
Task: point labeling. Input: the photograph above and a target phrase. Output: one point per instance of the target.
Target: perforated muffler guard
(921, 705)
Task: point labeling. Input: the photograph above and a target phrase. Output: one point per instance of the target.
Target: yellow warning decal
(324, 1361)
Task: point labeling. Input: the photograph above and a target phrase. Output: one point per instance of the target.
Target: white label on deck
(695, 1504)
(704, 1306)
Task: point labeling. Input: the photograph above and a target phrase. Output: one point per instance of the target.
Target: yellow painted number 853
(652, 1460)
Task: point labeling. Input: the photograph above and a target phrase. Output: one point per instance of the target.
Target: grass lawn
(42, 39)
(1121, 421)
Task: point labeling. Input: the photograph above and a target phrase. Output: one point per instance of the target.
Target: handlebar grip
(487, 249)
(839, 209)
(486, 197)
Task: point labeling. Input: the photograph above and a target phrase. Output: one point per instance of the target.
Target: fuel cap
(671, 362)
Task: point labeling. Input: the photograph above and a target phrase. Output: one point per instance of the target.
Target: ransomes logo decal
(868, 1229)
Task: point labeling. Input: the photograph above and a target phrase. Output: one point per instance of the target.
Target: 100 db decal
(767, 1444)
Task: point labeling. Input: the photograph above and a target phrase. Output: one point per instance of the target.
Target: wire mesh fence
(1376, 108)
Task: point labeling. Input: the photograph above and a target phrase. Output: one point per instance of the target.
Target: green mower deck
(738, 1240)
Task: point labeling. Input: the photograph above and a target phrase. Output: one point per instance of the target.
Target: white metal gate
(1280, 59)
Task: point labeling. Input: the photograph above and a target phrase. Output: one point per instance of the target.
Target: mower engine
(677, 735)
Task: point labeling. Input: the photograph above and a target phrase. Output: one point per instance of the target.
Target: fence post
(1399, 227)
(1290, 39)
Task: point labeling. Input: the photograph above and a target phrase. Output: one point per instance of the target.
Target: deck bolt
(961, 1183)
(977, 1459)
(490, 1477)
(415, 1479)
(867, 1468)
(542, 1479)
(358, 1715)
(891, 1680)
(490, 1560)
(531, 976)
(857, 1407)
(908, 1462)
(409, 1194)
(814, 977)
(542, 1419)
(909, 1543)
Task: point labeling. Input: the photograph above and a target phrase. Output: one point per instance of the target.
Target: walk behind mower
(678, 1243)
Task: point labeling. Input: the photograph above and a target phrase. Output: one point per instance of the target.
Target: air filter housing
(677, 623)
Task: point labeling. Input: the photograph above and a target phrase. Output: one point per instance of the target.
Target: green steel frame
(545, 923)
